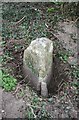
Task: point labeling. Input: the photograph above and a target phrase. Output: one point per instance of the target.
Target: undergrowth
(8, 82)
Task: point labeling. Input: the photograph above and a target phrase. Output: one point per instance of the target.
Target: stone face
(38, 56)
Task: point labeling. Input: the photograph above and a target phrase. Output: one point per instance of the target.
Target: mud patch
(12, 107)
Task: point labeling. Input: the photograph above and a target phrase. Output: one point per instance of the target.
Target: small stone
(3, 111)
(44, 91)
(50, 99)
(68, 107)
(40, 99)
(72, 60)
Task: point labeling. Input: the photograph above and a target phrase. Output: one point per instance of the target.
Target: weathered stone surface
(38, 58)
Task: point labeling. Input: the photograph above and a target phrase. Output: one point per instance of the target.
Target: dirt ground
(24, 102)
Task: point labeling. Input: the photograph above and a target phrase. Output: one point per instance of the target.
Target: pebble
(72, 60)
(3, 111)
(68, 107)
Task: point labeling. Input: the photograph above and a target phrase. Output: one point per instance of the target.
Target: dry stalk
(33, 106)
(18, 22)
(76, 20)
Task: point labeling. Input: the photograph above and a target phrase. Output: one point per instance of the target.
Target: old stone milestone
(37, 61)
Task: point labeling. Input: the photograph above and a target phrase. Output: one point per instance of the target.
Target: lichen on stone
(38, 56)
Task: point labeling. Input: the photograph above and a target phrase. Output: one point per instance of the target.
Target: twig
(23, 79)
(17, 94)
(18, 85)
(60, 83)
(52, 32)
(60, 86)
(19, 21)
(70, 101)
(54, 35)
(33, 106)
(32, 112)
(76, 20)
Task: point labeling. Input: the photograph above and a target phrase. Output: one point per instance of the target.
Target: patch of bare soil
(12, 107)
